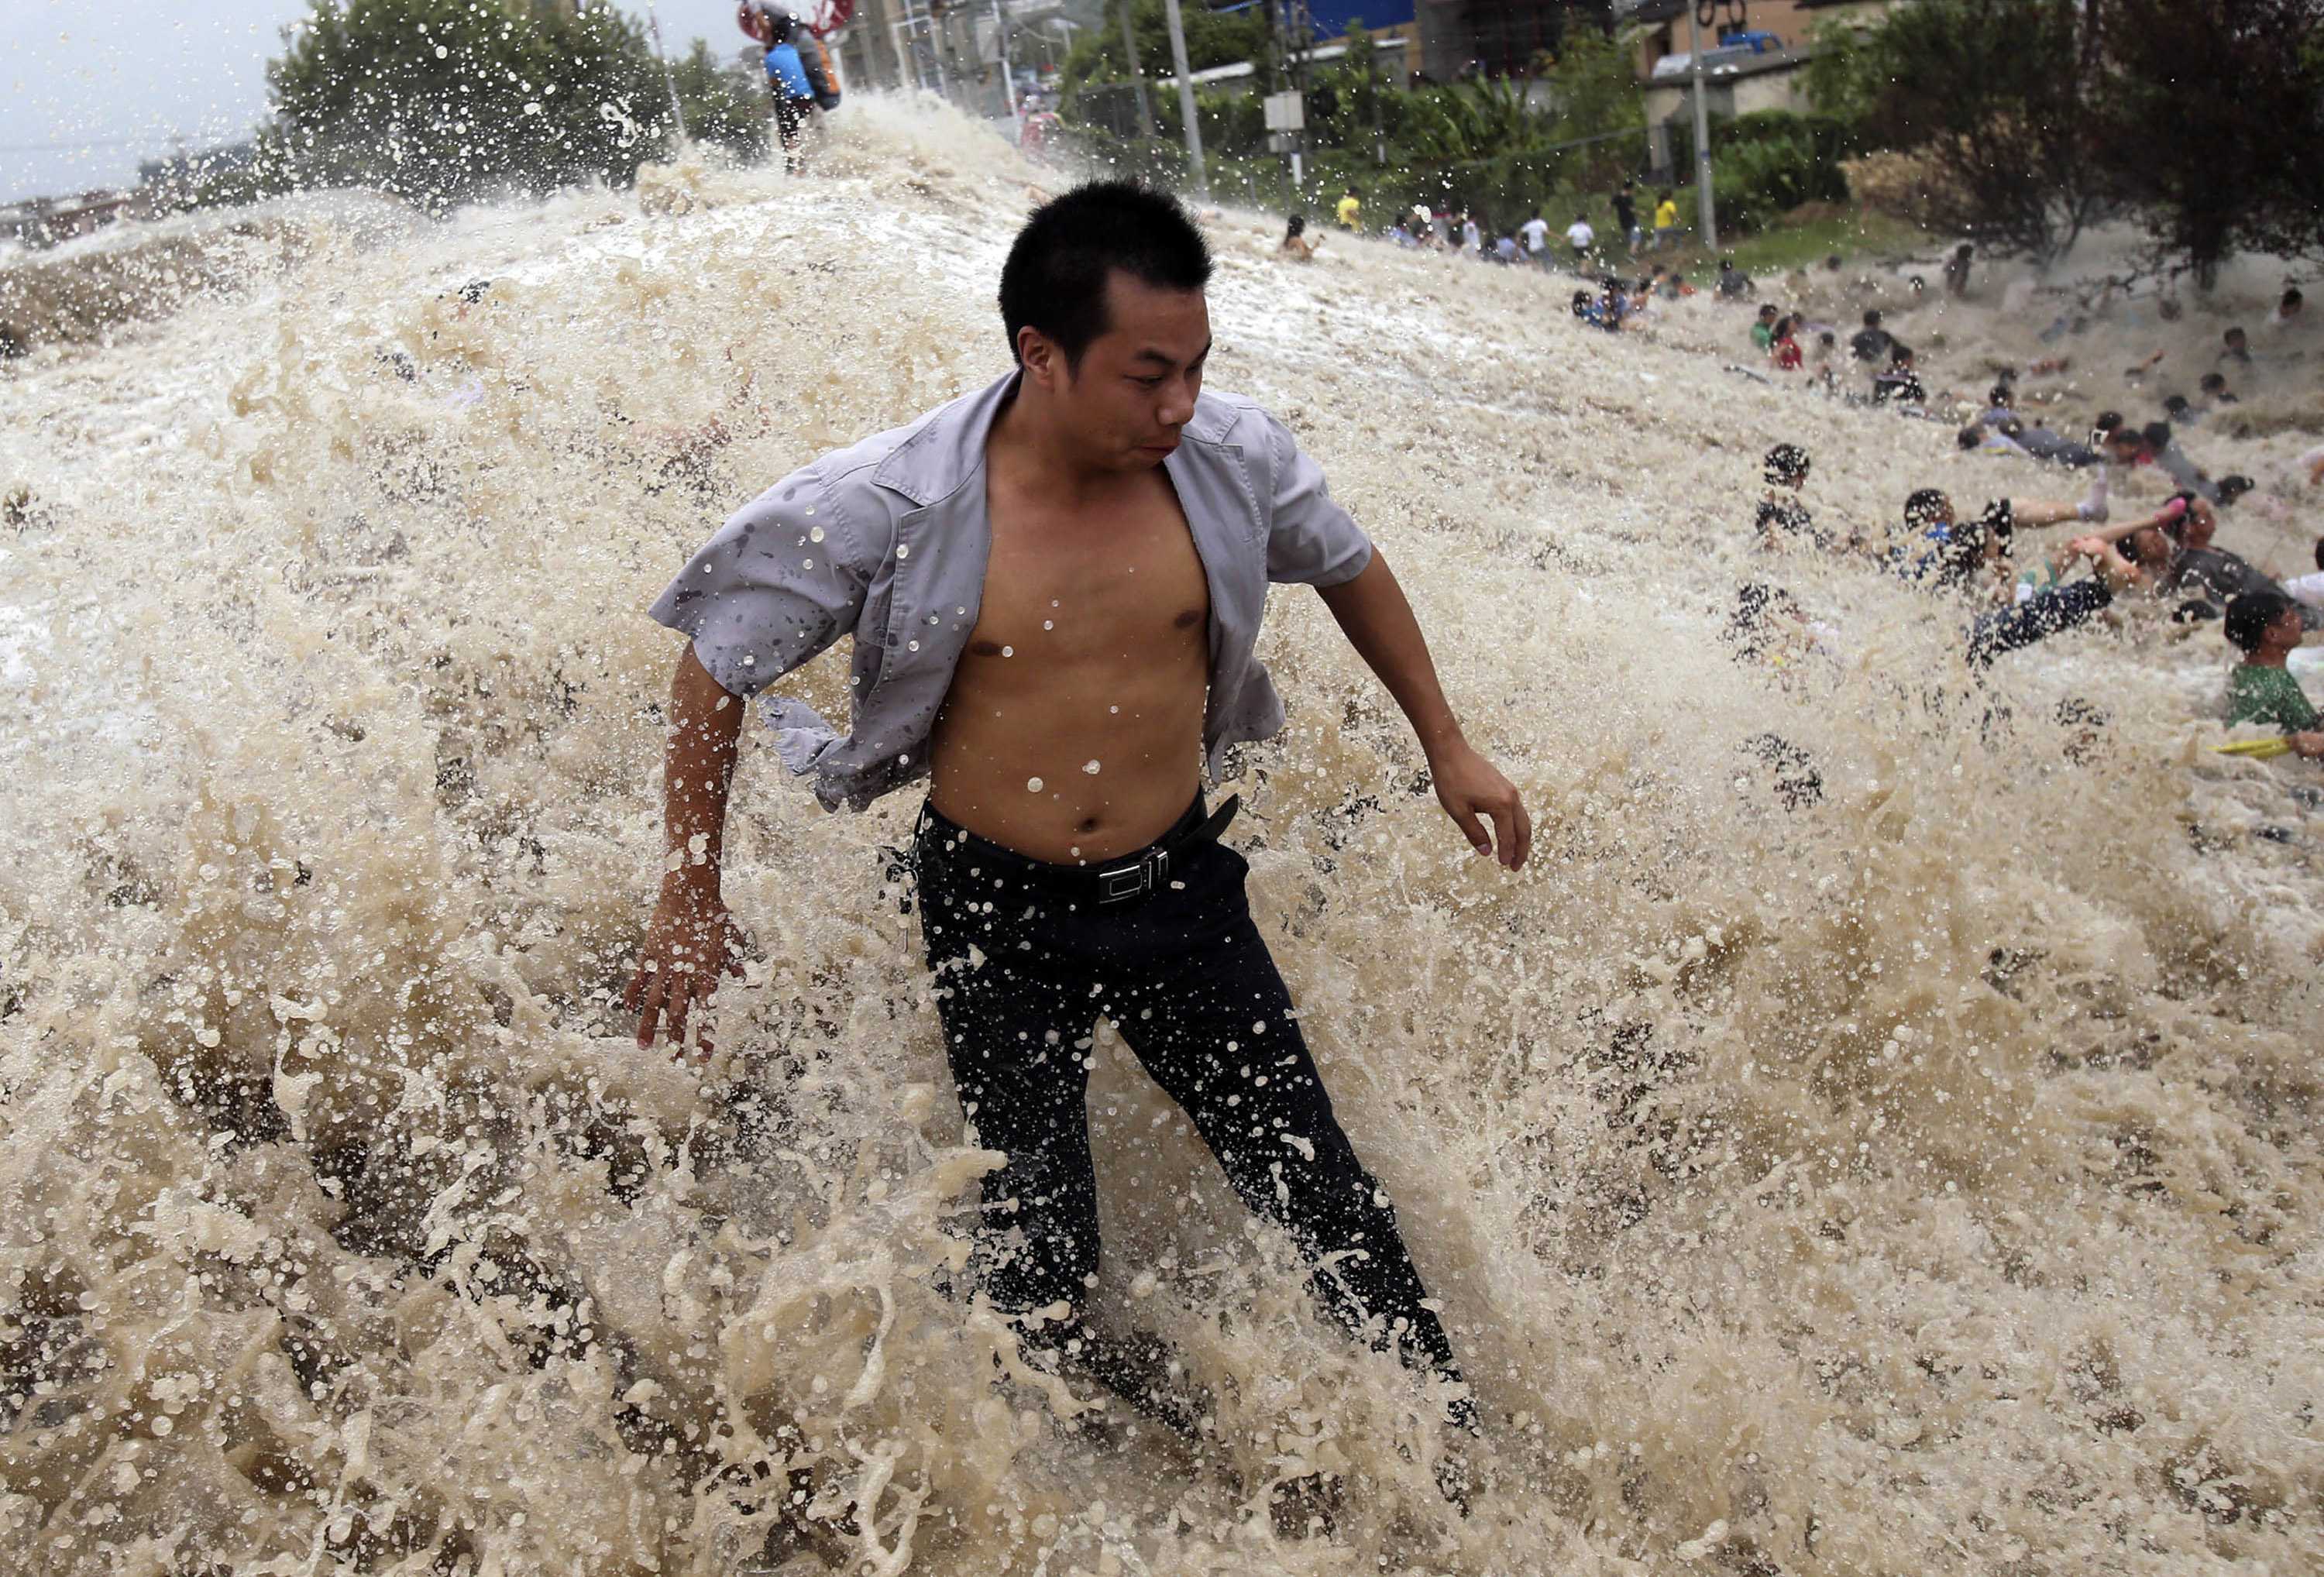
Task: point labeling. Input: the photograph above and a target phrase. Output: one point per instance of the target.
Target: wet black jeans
(1184, 974)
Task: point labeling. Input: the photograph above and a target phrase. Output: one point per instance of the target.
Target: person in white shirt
(1582, 237)
(1535, 234)
(2308, 589)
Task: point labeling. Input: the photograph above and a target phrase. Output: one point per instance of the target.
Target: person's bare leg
(2033, 514)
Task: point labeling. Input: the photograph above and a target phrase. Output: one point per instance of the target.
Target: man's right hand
(691, 942)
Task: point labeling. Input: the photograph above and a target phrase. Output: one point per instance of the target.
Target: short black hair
(2214, 382)
(2250, 614)
(1058, 268)
(2291, 297)
(1924, 509)
(2234, 333)
(1872, 317)
(2157, 435)
(2174, 405)
(2320, 553)
(2233, 486)
(2000, 395)
(2108, 420)
(1972, 435)
(1788, 465)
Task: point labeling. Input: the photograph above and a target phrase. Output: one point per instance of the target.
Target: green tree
(439, 100)
(724, 103)
(1989, 94)
(1213, 39)
(2209, 123)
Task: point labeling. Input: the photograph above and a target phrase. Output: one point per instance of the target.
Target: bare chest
(1124, 584)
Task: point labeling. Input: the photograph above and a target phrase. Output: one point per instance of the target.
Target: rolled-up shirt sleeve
(1310, 539)
(781, 580)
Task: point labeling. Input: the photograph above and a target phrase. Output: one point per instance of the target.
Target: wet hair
(1972, 436)
(2108, 421)
(2320, 553)
(780, 24)
(1767, 309)
(1298, 227)
(1924, 509)
(1827, 338)
(2174, 406)
(2001, 394)
(1581, 299)
(2252, 614)
(1832, 263)
(2291, 299)
(1784, 324)
(1900, 355)
(1872, 317)
(2233, 486)
(2157, 435)
(2234, 334)
(1786, 465)
(2214, 382)
(1055, 279)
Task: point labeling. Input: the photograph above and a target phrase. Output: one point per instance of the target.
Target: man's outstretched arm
(1378, 624)
(692, 940)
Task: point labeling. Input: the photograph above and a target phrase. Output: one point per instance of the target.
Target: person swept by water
(796, 80)
(1295, 244)
(1055, 585)
(2266, 627)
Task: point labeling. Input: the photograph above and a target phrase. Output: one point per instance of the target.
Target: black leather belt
(1125, 883)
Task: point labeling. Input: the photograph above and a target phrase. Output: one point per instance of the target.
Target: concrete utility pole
(1187, 100)
(1136, 76)
(677, 110)
(1008, 76)
(1705, 215)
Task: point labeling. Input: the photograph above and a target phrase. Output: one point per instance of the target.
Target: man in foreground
(1055, 585)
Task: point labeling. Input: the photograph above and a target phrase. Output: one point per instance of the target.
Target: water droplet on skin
(1032, 785)
(1113, 708)
(1091, 767)
(1048, 623)
(1008, 651)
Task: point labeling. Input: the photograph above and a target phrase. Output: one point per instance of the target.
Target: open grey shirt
(888, 541)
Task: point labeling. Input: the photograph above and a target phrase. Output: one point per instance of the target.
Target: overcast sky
(88, 88)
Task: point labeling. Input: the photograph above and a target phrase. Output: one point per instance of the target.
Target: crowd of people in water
(2022, 568)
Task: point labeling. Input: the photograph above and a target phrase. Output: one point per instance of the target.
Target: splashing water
(1920, 1175)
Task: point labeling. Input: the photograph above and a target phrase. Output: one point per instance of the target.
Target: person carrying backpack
(796, 77)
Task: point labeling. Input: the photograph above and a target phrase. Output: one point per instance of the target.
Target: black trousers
(1184, 974)
(2039, 616)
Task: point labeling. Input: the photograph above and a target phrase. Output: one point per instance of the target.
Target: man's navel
(1189, 619)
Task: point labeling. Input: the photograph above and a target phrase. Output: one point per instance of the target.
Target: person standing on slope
(1055, 585)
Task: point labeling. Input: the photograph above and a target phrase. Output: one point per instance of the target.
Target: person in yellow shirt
(1351, 211)
(1665, 221)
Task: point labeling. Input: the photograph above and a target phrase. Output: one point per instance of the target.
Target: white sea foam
(1921, 1179)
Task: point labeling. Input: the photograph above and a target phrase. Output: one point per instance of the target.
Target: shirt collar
(949, 448)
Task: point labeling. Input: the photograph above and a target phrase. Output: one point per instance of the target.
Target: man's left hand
(1482, 804)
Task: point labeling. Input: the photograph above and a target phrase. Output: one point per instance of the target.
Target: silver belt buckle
(1124, 882)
